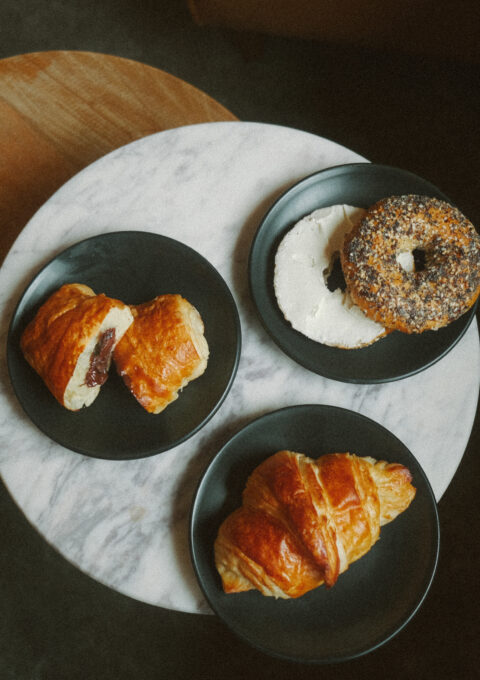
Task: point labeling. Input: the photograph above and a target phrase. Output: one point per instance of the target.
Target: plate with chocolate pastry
(124, 345)
(365, 273)
(314, 534)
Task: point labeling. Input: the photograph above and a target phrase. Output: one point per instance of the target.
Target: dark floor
(412, 112)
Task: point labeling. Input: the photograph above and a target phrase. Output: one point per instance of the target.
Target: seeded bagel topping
(440, 291)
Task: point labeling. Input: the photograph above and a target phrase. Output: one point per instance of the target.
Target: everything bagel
(427, 297)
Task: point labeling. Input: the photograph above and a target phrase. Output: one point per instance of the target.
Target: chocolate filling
(100, 359)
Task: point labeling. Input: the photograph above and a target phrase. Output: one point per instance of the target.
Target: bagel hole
(419, 259)
(333, 275)
(412, 260)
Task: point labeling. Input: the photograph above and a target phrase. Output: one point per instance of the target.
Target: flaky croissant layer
(303, 521)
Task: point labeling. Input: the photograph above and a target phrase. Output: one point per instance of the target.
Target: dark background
(415, 112)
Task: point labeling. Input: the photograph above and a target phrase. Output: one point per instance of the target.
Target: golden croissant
(304, 521)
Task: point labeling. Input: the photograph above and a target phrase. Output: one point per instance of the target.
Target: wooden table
(60, 111)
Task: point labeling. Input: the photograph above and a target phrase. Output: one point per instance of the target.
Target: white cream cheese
(302, 264)
(406, 261)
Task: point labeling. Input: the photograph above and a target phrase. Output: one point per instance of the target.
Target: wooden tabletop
(60, 111)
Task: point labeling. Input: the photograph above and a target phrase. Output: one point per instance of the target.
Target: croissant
(163, 350)
(70, 341)
(303, 522)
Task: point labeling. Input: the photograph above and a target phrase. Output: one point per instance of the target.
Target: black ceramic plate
(133, 267)
(374, 598)
(397, 355)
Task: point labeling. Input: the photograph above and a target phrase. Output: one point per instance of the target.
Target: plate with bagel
(299, 576)
(365, 273)
(124, 345)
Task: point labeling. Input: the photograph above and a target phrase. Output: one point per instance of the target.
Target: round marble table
(208, 185)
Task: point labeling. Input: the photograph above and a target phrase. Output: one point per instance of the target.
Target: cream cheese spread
(303, 263)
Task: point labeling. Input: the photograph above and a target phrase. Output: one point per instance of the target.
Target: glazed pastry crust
(63, 330)
(163, 350)
(302, 522)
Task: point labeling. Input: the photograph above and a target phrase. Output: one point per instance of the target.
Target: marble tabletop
(126, 523)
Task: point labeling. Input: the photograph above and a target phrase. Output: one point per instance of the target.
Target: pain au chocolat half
(303, 521)
(163, 350)
(70, 342)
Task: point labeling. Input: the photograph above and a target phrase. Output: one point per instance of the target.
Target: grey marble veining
(126, 523)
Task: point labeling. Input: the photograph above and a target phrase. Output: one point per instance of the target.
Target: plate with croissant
(124, 345)
(314, 534)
